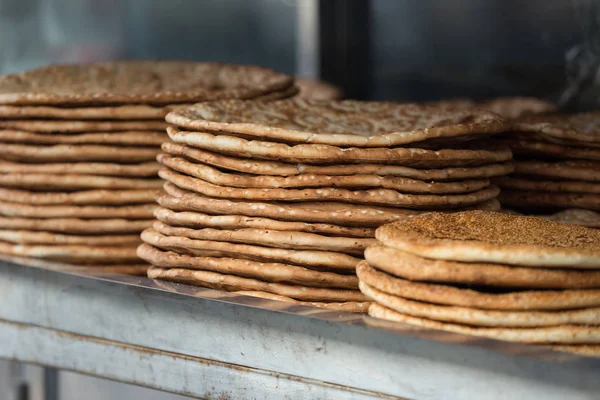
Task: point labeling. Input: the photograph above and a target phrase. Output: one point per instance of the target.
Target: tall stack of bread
(280, 199)
(78, 175)
(557, 168)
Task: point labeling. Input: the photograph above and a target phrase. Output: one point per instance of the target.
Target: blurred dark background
(377, 49)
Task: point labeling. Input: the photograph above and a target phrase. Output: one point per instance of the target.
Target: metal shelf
(211, 344)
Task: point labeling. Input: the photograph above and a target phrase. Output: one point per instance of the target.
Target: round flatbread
(515, 107)
(51, 126)
(578, 170)
(75, 182)
(148, 169)
(271, 238)
(137, 270)
(483, 318)
(313, 89)
(374, 196)
(576, 216)
(484, 236)
(530, 148)
(523, 300)
(36, 237)
(233, 283)
(553, 334)
(261, 167)
(127, 138)
(537, 200)
(349, 306)
(76, 225)
(518, 184)
(268, 272)
(403, 185)
(472, 155)
(138, 211)
(330, 212)
(75, 153)
(139, 82)
(337, 123)
(313, 259)
(582, 127)
(84, 197)
(126, 112)
(197, 220)
(74, 254)
(412, 267)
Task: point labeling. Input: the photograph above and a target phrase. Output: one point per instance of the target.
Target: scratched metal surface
(312, 312)
(348, 351)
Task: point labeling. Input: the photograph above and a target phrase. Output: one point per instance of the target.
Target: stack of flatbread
(557, 168)
(78, 170)
(514, 278)
(283, 197)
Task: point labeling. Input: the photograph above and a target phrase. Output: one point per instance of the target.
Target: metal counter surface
(216, 345)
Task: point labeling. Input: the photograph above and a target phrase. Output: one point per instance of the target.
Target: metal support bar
(160, 370)
(344, 53)
(364, 361)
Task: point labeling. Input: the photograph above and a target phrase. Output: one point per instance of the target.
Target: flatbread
(271, 238)
(345, 214)
(233, 283)
(582, 127)
(532, 148)
(484, 236)
(337, 123)
(349, 306)
(51, 126)
(137, 270)
(75, 153)
(261, 167)
(568, 169)
(553, 334)
(138, 211)
(482, 318)
(415, 268)
(515, 107)
(84, 197)
(139, 82)
(77, 225)
(541, 137)
(74, 254)
(374, 196)
(313, 89)
(126, 112)
(126, 138)
(455, 296)
(268, 272)
(575, 216)
(36, 237)
(516, 183)
(197, 220)
(403, 185)
(473, 154)
(208, 248)
(586, 350)
(147, 169)
(75, 182)
(538, 201)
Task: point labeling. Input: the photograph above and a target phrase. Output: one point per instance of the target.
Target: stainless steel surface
(357, 355)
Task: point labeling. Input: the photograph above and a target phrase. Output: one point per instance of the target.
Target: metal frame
(201, 342)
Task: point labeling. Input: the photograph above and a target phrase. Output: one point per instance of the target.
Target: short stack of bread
(514, 278)
(280, 199)
(557, 168)
(78, 170)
